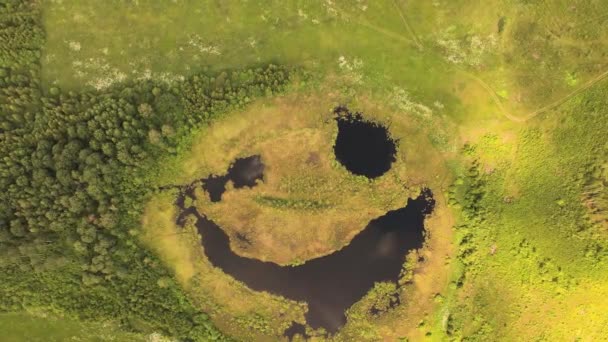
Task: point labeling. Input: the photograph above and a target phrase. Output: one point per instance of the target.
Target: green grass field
(23, 327)
(500, 107)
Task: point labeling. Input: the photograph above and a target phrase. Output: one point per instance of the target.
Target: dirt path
(541, 110)
(558, 102)
(407, 25)
(385, 32)
(498, 102)
(388, 33)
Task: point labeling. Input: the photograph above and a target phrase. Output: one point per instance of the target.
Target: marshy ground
(296, 230)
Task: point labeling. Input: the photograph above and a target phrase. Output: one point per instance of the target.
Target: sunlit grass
(159, 222)
(41, 327)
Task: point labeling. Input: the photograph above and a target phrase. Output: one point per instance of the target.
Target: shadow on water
(363, 147)
(296, 329)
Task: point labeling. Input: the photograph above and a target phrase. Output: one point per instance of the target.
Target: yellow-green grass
(543, 53)
(40, 327)
(367, 44)
(531, 56)
(97, 44)
(535, 267)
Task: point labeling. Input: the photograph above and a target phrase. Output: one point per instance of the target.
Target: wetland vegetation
(260, 171)
(329, 284)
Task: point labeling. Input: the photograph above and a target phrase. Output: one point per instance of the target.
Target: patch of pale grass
(162, 234)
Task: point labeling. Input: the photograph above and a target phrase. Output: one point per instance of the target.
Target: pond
(332, 283)
(329, 284)
(363, 147)
(243, 172)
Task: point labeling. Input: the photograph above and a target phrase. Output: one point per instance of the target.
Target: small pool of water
(363, 147)
(243, 172)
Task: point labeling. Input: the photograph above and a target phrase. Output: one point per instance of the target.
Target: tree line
(73, 179)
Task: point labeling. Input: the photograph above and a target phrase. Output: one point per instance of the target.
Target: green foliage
(74, 173)
(536, 223)
(595, 194)
(204, 96)
(407, 272)
(21, 37)
(382, 297)
(256, 322)
(467, 192)
(296, 204)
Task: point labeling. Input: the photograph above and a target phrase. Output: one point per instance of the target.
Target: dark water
(364, 148)
(329, 284)
(243, 172)
(296, 329)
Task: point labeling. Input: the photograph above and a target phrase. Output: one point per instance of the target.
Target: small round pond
(363, 147)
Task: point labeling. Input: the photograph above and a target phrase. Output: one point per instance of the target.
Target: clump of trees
(75, 172)
(467, 193)
(595, 195)
(21, 37)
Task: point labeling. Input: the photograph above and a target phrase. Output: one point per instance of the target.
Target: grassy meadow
(40, 327)
(499, 107)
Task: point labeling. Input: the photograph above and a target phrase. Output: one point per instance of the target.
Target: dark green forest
(75, 173)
